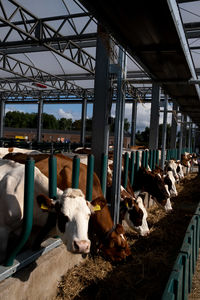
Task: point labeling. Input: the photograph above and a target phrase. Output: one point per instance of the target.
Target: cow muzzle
(81, 246)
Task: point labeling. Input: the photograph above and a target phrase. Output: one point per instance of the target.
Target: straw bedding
(145, 275)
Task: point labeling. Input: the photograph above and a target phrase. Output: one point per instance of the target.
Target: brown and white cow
(71, 210)
(114, 243)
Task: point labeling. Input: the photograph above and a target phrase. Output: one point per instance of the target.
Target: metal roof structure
(152, 32)
(48, 49)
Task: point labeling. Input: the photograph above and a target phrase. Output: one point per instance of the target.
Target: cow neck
(108, 233)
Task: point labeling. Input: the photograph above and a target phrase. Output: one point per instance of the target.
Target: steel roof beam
(40, 31)
(24, 70)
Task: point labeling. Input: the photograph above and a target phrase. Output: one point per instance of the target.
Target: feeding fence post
(75, 172)
(103, 179)
(90, 171)
(126, 164)
(132, 167)
(52, 177)
(27, 210)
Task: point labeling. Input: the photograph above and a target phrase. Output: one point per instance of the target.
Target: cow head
(111, 238)
(153, 184)
(134, 213)
(72, 213)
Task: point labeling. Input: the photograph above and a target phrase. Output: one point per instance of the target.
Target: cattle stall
(145, 159)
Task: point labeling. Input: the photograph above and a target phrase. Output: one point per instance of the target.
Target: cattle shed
(113, 57)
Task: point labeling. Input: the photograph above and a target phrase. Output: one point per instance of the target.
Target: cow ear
(128, 202)
(45, 203)
(91, 207)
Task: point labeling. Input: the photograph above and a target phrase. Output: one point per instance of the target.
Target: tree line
(16, 119)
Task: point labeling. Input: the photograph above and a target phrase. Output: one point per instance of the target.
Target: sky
(51, 62)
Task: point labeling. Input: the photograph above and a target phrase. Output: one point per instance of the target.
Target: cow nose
(82, 246)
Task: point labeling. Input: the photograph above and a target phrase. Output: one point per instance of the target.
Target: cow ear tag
(97, 207)
(127, 205)
(44, 207)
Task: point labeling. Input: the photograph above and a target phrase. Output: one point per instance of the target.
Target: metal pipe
(164, 133)
(52, 177)
(103, 178)
(75, 172)
(126, 165)
(132, 167)
(27, 210)
(90, 172)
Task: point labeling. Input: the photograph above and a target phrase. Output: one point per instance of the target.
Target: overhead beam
(40, 31)
(19, 68)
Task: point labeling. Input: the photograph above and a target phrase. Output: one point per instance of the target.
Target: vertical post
(90, 171)
(137, 163)
(133, 122)
(173, 128)
(52, 177)
(83, 120)
(103, 99)
(103, 178)
(190, 135)
(151, 159)
(154, 118)
(132, 167)
(126, 165)
(118, 141)
(180, 138)
(184, 131)
(27, 211)
(147, 159)
(75, 172)
(2, 112)
(39, 120)
(164, 132)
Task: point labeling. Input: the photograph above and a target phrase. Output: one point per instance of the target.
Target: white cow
(4, 151)
(71, 208)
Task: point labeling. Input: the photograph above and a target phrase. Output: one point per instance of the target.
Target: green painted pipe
(90, 171)
(126, 164)
(143, 159)
(27, 212)
(75, 172)
(146, 159)
(52, 177)
(157, 157)
(150, 159)
(137, 164)
(103, 179)
(132, 167)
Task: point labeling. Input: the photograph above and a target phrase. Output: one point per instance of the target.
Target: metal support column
(83, 120)
(39, 120)
(190, 135)
(118, 137)
(103, 100)
(133, 122)
(164, 132)
(173, 127)
(180, 138)
(2, 112)
(154, 119)
(184, 131)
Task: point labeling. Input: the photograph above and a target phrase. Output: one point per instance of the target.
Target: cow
(168, 179)
(115, 243)
(131, 209)
(153, 184)
(4, 151)
(71, 211)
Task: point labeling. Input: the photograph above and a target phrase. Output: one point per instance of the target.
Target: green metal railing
(27, 211)
(179, 284)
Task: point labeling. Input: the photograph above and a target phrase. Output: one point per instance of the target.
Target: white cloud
(65, 114)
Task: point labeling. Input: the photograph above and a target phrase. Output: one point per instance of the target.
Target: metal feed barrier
(131, 165)
(179, 284)
(15, 262)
